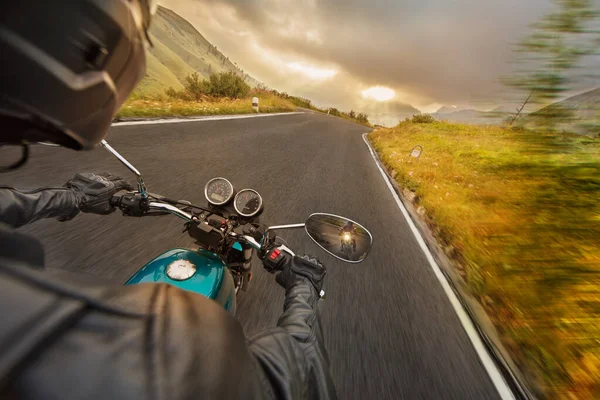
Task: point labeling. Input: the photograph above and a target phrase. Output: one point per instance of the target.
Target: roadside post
(255, 103)
(416, 151)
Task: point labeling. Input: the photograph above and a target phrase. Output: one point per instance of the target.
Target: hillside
(470, 117)
(178, 50)
(585, 108)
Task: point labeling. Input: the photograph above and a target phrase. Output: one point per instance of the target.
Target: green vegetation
(519, 211)
(172, 107)
(225, 84)
(360, 117)
(422, 119)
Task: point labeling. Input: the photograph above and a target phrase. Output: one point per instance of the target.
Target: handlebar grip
(115, 201)
(130, 203)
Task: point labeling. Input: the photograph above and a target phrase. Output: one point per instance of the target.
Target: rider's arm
(293, 355)
(86, 192)
(18, 208)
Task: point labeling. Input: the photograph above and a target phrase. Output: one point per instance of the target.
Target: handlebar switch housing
(132, 204)
(274, 259)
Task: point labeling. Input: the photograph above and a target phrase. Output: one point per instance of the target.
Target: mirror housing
(341, 237)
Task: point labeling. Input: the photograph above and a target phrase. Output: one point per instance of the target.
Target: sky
(372, 53)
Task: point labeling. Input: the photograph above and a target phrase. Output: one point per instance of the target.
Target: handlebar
(170, 209)
(134, 204)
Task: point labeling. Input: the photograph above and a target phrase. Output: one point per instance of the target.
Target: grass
(521, 213)
(164, 107)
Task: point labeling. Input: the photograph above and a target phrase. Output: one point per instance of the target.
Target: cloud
(428, 51)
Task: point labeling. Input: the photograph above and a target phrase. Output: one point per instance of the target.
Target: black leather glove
(94, 191)
(297, 268)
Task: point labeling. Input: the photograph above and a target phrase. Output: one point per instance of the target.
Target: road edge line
(490, 366)
(199, 119)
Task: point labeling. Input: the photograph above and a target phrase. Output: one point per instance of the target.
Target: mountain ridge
(178, 49)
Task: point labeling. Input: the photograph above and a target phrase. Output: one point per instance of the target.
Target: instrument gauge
(218, 191)
(248, 203)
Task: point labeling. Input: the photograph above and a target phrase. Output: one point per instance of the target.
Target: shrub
(194, 86)
(423, 119)
(170, 92)
(226, 84)
(363, 118)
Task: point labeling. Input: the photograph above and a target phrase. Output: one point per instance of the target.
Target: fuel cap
(180, 270)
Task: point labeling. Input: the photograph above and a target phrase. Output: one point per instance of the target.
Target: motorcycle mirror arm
(290, 226)
(141, 186)
(277, 227)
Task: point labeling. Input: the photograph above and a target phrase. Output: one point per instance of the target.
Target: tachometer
(248, 203)
(218, 191)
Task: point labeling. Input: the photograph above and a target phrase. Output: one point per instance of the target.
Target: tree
(352, 114)
(362, 118)
(549, 54)
(511, 120)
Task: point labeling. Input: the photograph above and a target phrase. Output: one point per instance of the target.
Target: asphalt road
(389, 327)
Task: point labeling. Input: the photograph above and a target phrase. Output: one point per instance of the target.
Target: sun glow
(312, 72)
(379, 93)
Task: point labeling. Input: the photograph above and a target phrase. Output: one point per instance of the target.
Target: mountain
(179, 50)
(585, 109)
(506, 108)
(585, 106)
(446, 110)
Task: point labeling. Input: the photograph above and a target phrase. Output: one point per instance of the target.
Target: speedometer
(248, 203)
(218, 191)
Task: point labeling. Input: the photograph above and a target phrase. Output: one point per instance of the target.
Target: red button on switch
(274, 254)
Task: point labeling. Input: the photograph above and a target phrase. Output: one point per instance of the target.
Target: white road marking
(200, 119)
(491, 368)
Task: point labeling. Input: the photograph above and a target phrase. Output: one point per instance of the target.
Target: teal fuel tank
(200, 271)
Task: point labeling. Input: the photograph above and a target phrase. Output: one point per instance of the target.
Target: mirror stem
(291, 226)
(141, 186)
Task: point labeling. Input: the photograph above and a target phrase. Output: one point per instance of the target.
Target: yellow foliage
(522, 210)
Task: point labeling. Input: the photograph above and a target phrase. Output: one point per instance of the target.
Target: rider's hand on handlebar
(294, 269)
(94, 191)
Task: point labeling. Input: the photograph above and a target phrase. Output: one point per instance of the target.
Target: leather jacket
(66, 335)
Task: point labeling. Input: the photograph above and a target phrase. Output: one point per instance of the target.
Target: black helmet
(67, 67)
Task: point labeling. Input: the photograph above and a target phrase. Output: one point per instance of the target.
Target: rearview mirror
(343, 238)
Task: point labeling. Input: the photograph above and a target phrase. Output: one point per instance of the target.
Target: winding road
(389, 327)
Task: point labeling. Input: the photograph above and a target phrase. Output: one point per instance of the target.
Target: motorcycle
(347, 245)
(227, 234)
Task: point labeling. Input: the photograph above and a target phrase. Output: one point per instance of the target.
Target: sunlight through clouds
(312, 72)
(379, 93)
